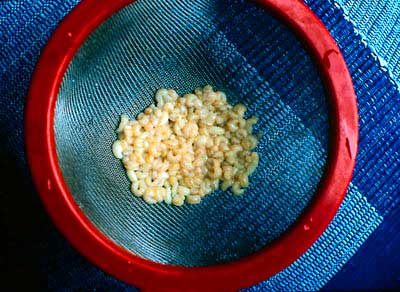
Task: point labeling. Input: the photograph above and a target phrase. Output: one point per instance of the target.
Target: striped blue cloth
(360, 248)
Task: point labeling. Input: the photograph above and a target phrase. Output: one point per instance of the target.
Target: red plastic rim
(41, 151)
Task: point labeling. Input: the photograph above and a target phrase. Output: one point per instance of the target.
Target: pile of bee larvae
(183, 148)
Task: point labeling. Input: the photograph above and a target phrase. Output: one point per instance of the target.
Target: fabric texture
(338, 259)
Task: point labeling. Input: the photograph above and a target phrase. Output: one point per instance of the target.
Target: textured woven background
(360, 249)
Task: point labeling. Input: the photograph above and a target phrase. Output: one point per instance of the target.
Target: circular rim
(145, 274)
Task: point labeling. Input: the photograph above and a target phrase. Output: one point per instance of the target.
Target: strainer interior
(235, 46)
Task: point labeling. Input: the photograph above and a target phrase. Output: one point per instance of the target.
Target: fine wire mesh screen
(238, 48)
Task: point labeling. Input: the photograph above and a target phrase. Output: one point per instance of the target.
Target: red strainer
(89, 74)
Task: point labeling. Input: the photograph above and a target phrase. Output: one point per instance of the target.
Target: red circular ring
(42, 156)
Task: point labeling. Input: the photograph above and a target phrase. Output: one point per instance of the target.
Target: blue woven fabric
(26, 25)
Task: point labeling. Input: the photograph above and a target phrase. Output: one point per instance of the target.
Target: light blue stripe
(378, 22)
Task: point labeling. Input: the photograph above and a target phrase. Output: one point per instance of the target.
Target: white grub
(183, 148)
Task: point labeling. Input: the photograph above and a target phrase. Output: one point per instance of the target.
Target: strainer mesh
(235, 46)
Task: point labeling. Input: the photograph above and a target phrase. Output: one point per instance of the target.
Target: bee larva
(182, 148)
